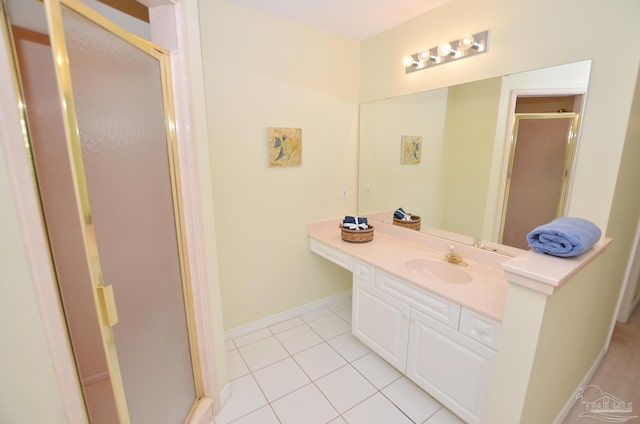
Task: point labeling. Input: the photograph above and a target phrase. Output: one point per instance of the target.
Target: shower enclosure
(101, 135)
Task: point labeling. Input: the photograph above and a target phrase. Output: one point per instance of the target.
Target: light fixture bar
(465, 46)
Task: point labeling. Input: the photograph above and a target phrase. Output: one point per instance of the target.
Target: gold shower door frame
(568, 159)
(102, 294)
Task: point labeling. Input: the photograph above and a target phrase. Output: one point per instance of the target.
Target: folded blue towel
(564, 237)
(355, 223)
(401, 214)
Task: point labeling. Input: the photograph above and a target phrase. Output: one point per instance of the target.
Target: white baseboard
(624, 315)
(569, 405)
(245, 329)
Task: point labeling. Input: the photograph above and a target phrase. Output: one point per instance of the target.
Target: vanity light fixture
(467, 45)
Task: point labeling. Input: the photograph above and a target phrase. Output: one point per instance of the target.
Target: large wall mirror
(467, 139)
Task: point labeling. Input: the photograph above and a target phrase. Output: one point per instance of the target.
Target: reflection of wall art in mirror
(411, 149)
(459, 188)
(285, 146)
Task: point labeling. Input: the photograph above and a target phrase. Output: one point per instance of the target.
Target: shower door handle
(108, 309)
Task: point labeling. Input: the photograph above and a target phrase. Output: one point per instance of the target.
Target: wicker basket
(414, 224)
(357, 236)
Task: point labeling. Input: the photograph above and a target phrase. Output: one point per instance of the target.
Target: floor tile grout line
(321, 338)
(327, 399)
(290, 355)
(287, 320)
(311, 380)
(369, 378)
(274, 334)
(432, 415)
(359, 403)
(319, 335)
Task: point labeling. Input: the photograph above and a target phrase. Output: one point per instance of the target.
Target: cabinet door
(451, 367)
(382, 323)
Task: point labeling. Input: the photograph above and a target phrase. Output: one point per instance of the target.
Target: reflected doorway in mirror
(543, 138)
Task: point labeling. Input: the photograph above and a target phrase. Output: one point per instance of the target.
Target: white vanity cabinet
(450, 366)
(381, 322)
(446, 349)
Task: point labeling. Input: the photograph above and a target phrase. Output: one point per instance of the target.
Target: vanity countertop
(392, 246)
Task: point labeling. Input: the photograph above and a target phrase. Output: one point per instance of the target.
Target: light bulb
(408, 61)
(444, 49)
(426, 56)
(467, 42)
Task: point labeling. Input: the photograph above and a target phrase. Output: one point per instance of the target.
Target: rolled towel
(401, 214)
(564, 237)
(355, 223)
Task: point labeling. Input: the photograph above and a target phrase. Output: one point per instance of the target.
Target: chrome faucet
(453, 257)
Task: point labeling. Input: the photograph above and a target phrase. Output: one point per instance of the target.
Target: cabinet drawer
(420, 299)
(332, 254)
(479, 327)
(364, 271)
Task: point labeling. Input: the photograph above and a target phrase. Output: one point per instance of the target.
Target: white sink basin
(438, 270)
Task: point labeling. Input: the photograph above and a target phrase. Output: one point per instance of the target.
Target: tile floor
(311, 370)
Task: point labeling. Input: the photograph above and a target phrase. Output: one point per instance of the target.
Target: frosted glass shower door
(538, 173)
(119, 129)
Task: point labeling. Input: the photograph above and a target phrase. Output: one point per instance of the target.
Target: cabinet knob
(482, 331)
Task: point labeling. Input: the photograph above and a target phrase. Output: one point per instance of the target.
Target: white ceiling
(357, 19)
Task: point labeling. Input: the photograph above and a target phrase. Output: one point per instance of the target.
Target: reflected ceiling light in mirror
(465, 46)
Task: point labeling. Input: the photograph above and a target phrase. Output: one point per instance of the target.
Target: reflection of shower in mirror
(459, 185)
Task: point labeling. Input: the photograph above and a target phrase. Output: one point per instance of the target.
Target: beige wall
(549, 343)
(625, 212)
(259, 72)
(414, 187)
(573, 333)
(468, 151)
(519, 336)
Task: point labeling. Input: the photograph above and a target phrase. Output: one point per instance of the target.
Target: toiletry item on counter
(355, 223)
(564, 236)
